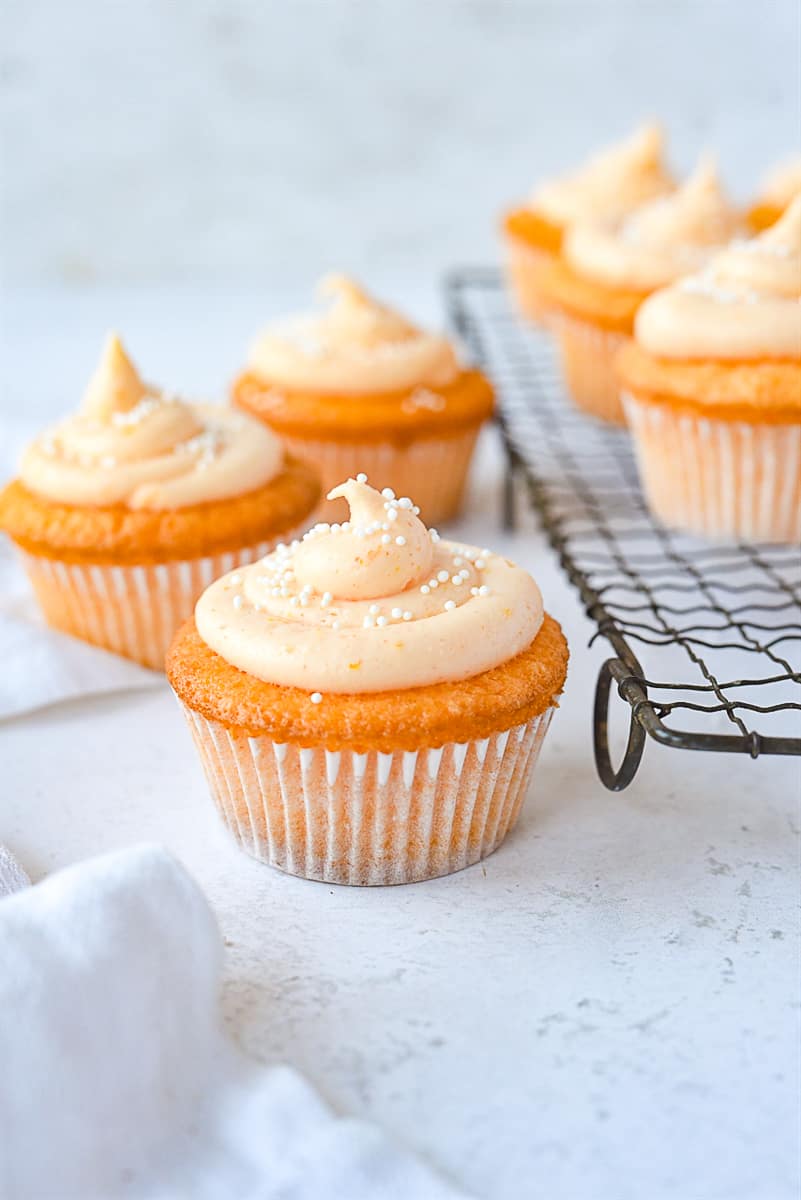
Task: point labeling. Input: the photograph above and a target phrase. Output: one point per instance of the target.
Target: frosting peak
(115, 386)
(374, 604)
(611, 183)
(744, 305)
(383, 549)
(356, 346)
(661, 240)
(131, 444)
(783, 183)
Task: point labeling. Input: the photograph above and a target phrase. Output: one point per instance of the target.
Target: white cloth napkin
(116, 1079)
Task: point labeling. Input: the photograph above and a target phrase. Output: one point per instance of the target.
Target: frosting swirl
(134, 445)
(610, 184)
(782, 184)
(660, 241)
(745, 305)
(357, 347)
(374, 604)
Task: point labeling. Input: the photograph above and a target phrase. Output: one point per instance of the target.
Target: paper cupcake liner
(525, 268)
(588, 356)
(370, 818)
(722, 479)
(432, 470)
(132, 610)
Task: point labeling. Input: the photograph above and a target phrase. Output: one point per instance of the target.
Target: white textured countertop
(608, 1007)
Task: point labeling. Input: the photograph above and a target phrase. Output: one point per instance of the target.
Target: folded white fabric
(117, 1079)
(41, 666)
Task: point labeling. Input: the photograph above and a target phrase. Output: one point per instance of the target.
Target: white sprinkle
(416, 510)
(407, 616)
(479, 564)
(425, 589)
(432, 533)
(335, 528)
(293, 600)
(361, 477)
(405, 502)
(457, 579)
(237, 602)
(400, 541)
(316, 698)
(368, 622)
(236, 578)
(326, 599)
(373, 609)
(483, 590)
(457, 562)
(304, 600)
(433, 583)
(385, 539)
(397, 613)
(392, 515)
(442, 576)
(381, 621)
(388, 493)
(449, 605)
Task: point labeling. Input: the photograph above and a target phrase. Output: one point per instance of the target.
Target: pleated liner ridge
(371, 818)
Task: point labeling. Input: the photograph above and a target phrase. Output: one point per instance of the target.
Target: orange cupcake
(608, 269)
(607, 187)
(357, 388)
(779, 188)
(369, 703)
(125, 512)
(712, 392)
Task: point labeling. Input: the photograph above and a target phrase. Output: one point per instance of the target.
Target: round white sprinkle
(405, 502)
(385, 539)
(433, 583)
(442, 576)
(381, 621)
(457, 562)
(415, 510)
(326, 599)
(388, 493)
(368, 622)
(425, 589)
(407, 616)
(457, 579)
(236, 578)
(479, 564)
(483, 590)
(392, 515)
(397, 613)
(373, 609)
(238, 601)
(400, 541)
(449, 605)
(316, 698)
(361, 477)
(474, 591)
(293, 600)
(432, 533)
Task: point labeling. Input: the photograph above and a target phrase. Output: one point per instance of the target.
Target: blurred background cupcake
(369, 704)
(125, 511)
(608, 268)
(608, 186)
(712, 392)
(779, 188)
(357, 387)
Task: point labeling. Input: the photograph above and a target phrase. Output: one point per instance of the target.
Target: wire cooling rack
(707, 638)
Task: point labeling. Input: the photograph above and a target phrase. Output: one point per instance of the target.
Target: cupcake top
(744, 305)
(610, 184)
(662, 240)
(782, 184)
(355, 346)
(134, 445)
(377, 603)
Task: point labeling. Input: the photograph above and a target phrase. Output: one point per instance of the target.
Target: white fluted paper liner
(432, 470)
(721, 479)
(588, 356)
(132, 610)
(368, 818)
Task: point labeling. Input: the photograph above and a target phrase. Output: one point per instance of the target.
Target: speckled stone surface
(608, 1007)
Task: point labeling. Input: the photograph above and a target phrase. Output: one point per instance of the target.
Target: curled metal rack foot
(717, 627)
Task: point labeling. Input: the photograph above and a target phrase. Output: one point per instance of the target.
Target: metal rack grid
(717, 627)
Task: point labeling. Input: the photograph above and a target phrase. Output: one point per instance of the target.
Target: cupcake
(779, 188)
(607, 270)
(124, 512)
(606, 188)
(369, 703)
(358, 388)
(712, 392)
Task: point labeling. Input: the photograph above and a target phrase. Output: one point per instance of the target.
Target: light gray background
(192, 140)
